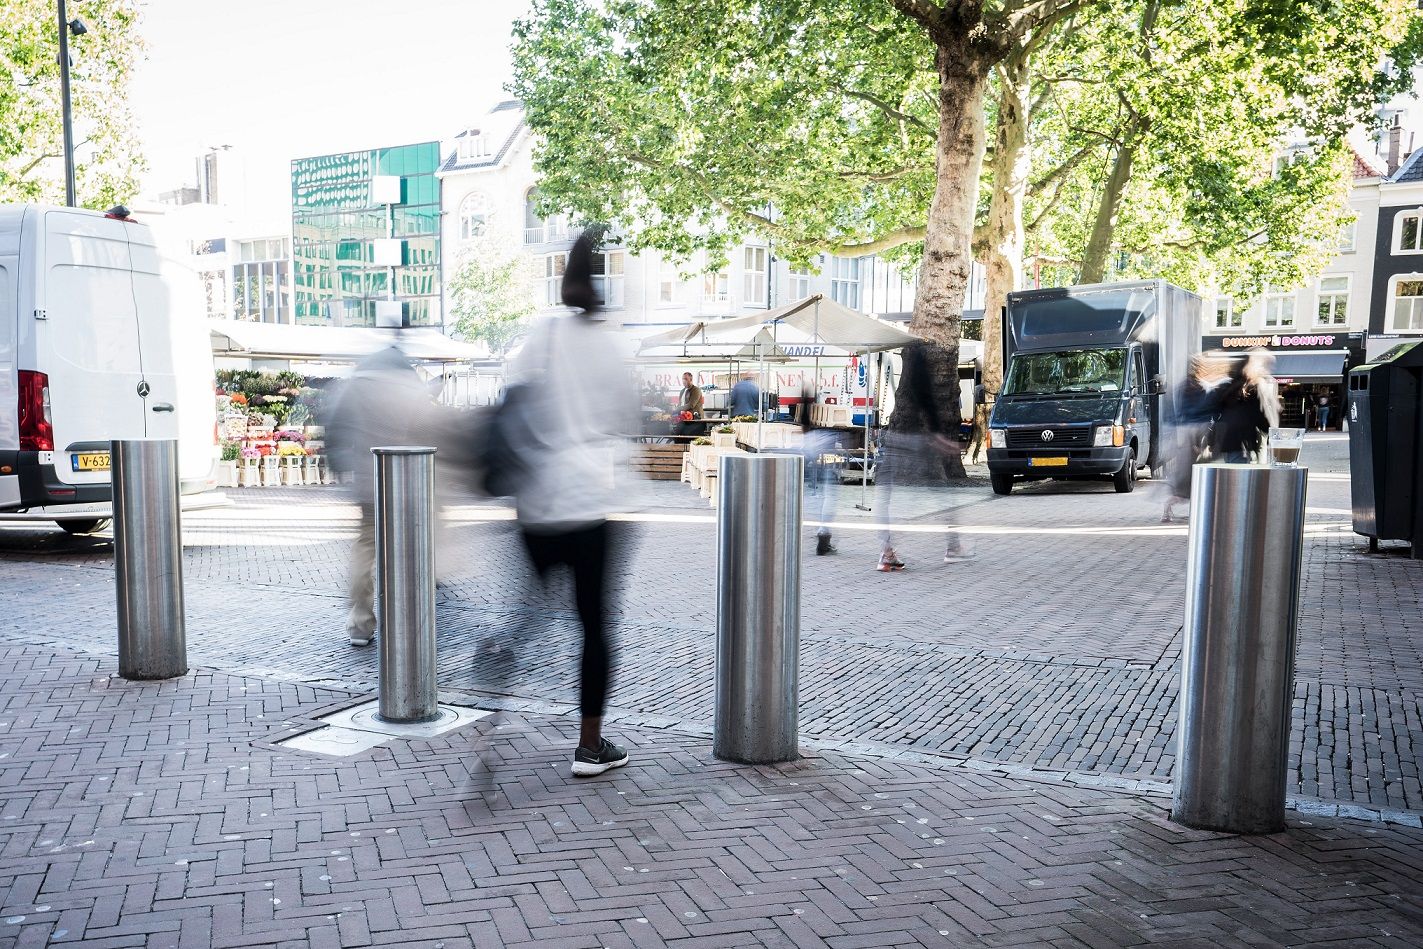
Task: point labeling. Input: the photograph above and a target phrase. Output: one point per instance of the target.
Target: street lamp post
(79, 30)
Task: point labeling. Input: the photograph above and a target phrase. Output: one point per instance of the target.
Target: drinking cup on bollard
(758, 608)
(405, 583)
(148, 558)
(1237, 671)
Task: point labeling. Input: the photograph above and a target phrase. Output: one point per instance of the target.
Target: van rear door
(88, 345)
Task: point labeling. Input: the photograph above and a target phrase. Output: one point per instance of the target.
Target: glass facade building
(366, 229)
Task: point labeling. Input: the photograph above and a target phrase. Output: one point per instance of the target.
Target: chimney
(1395, 134)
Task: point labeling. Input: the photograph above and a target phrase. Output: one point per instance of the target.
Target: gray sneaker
(590, 761)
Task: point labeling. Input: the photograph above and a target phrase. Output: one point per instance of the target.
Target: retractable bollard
(405, 583)
(758, 607)
(1237, 672)
(148, 559)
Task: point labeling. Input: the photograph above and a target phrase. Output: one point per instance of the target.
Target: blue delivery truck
(1088, 377)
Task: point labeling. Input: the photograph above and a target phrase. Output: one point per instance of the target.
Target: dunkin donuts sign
(1254, 342)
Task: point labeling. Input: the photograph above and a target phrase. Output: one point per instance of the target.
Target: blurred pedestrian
(822, 474)
(384, 402)
(1243, 421)
(1194, 407)
(916, 453)
(1322, 414)
(746, 396)
(583, 405)
(1259, 372)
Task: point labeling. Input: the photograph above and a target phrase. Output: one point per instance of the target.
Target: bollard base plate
(366, 717)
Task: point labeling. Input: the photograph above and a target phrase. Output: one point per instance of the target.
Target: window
(1225, 315)
(1347, 236)
(1408, 306)
(753, 290)
(539, 230)
(800, 283)
(473, 144)
(845, 281)
(552, 283)
(669, 283)
(474, 215)
(1409, 232)
(1333, 301)
(716, 287)
(1279, 309)
(1292, 157)
(608, 277)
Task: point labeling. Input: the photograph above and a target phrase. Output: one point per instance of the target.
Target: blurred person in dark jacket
(1243, 422)
(1194, 407)
(822, 477)
(384, 402)
(745, 396)
(916, 453)
(583, 407)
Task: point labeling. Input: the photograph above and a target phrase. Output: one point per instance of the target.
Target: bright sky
(284, 79)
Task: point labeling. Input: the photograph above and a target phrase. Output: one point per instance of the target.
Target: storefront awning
(334, 344)
(1318, 366)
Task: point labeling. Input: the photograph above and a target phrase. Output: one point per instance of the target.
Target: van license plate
(1047, 462)
(91, 461)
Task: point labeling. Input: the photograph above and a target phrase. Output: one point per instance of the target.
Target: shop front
(1310, 369)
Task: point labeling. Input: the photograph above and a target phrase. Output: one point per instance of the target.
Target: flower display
(287, 449)
(250, 452)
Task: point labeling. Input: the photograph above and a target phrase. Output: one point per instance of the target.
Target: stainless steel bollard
(1237, 673)
(758, 607)
(405, 582)
(148, 558)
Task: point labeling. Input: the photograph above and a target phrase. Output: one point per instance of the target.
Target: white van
(100, 339)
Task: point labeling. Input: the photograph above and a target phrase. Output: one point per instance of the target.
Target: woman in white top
(582, 406)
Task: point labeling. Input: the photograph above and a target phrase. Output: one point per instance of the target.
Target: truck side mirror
(1156, 386)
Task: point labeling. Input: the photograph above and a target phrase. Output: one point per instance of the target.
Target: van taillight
(36, 426)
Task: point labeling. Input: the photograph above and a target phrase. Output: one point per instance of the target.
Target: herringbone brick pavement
(161, 814)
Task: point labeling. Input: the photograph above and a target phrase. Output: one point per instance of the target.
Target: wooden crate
(659, 462)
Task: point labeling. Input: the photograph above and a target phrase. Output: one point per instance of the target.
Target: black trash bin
(1385, 444)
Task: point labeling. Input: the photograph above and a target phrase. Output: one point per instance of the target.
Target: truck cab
(1088, 370)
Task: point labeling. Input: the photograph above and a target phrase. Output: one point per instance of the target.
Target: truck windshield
(1063, 372)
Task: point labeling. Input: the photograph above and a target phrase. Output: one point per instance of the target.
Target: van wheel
(87, 525)
(1002, 483)
(1125, 480)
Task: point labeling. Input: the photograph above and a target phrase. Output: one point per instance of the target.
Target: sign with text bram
(1280, 341)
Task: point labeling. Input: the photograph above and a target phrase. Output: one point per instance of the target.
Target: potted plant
(701, 440)
(249, 474)
(724, 437)
(271, 466)
(227, 465)
(291, 453)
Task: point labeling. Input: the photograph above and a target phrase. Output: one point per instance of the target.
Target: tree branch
(1062, 169)
(905, 235)
(1021, 19)
(879, 176)
(928, 15)
(37, 162)
(886, 108)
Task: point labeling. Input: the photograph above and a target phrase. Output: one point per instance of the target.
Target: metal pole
(67, 115)
(758, 607)
(1237, 672)
(148, 559)
(405, 582)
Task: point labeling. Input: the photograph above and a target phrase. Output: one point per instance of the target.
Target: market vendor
(689, 407)
(746, 396)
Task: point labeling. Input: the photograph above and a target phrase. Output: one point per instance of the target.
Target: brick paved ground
(1058, 648)
(160, 814)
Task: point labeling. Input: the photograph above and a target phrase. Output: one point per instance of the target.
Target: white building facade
(488, 184)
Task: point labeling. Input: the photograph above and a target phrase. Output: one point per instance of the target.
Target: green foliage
(682, 124)
(107, 158)
(491, 293)
(230, 450)
(1183, 88)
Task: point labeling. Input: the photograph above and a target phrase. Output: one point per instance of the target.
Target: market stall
(809, 332)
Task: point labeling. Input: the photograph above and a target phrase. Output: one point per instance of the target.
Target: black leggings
(585, 552)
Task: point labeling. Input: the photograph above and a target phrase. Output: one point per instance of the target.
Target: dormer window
(473, 144)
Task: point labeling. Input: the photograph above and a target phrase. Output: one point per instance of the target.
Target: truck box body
(100, 339)
(1089, 372)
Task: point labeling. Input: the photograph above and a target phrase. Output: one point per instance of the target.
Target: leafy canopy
(107, 156)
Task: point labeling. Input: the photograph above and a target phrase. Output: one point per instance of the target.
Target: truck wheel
(1002, 483)
(1125, 480)
(87, 525)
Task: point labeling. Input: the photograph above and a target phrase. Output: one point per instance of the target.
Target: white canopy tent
(814, 327)
(333, 344)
